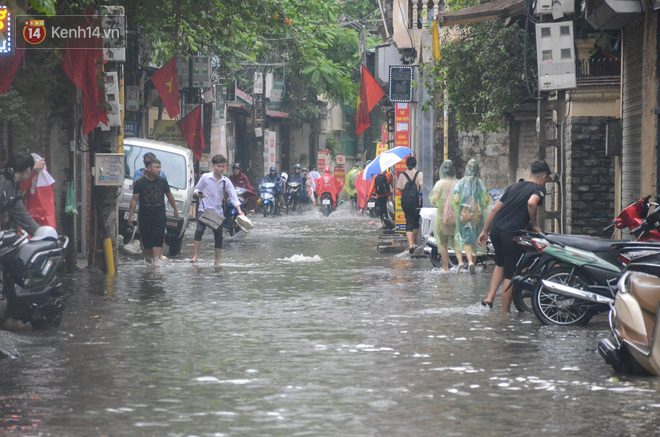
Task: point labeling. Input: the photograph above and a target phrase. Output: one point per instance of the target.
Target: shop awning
(485, 12)
(276, 114)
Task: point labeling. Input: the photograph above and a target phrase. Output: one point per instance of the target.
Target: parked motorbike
(267, 192)
(31, 291)
(231, 213)
(534, 263)
(635, 316)
(432, 249)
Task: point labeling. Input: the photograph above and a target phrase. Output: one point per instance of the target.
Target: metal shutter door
(632, 114)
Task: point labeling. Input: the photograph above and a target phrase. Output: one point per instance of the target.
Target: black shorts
(152, 230)
(217, 235)
(412, 220)
(507, 251)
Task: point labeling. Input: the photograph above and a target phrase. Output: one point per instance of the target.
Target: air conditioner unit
(555, 52)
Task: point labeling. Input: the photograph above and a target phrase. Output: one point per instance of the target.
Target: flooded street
(307, 330)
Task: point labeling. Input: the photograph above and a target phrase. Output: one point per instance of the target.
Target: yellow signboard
(167, 131)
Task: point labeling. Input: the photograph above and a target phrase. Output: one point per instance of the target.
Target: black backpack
(410, 195)
(381, 185)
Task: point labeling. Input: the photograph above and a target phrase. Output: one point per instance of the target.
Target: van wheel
(175, 246)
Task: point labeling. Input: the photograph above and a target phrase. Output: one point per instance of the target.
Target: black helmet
(236, 165)
(296, 166)
(273, 168)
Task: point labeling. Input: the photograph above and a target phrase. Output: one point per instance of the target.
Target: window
(566, 53)
(545, 32)
(172, 164)
(546, 55)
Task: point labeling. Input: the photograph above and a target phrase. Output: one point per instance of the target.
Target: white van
(177, 164)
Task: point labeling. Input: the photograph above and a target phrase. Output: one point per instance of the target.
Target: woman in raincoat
(470, 200)
(350, 186)
(444, 227)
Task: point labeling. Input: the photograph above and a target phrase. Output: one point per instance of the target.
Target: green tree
(482, 67)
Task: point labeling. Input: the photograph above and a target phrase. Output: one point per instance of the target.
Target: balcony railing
(599, 67)
(421, 11)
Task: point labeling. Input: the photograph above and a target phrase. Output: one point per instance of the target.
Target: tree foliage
(483, 70)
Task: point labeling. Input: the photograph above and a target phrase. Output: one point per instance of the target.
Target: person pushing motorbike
(516, 208)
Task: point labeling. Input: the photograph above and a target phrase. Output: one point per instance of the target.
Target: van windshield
(173, 165)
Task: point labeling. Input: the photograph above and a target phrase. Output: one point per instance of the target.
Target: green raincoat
(351, 177)
(470, 200)
(439, 196)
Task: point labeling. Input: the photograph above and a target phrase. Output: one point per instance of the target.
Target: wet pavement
(307, 330)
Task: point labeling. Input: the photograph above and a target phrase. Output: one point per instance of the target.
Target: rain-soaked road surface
(340, 341)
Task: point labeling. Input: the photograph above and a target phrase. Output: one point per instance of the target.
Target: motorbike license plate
(134, 216)
(326, 201)
(371, 204)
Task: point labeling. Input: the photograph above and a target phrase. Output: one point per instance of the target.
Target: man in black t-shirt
(149, 191)
(514, 211)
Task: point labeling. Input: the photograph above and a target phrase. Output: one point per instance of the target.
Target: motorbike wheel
(327, 210)
(555, 309)
(435, 258)
(291, 205)
(267, 209)
(231, 226)
(522, 299)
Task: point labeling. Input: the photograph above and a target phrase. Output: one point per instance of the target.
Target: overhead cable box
(555, 53)
(556, 8)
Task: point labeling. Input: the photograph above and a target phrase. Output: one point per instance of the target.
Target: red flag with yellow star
(191, 128)
(370, 95)
(167, 84)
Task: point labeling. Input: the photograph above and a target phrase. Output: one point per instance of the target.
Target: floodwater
(307, 330)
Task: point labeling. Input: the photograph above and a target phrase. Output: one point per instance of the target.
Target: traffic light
(390, 120)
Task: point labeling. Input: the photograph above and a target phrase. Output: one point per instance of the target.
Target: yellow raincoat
(351, 177)
(441, 193)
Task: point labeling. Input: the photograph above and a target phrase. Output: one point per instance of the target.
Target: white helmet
(285, 176)
(45, 232)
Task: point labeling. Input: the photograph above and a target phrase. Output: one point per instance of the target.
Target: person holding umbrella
(410, 183)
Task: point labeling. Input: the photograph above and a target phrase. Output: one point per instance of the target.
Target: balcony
(599, 70)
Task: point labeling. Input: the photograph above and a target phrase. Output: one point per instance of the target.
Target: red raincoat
(362, 188)
(328, 184)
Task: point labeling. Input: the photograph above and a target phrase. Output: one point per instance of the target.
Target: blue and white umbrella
(385, 160)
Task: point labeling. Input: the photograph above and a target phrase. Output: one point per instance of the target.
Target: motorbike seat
(646, 289)
(584, 242)
(32, 247)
